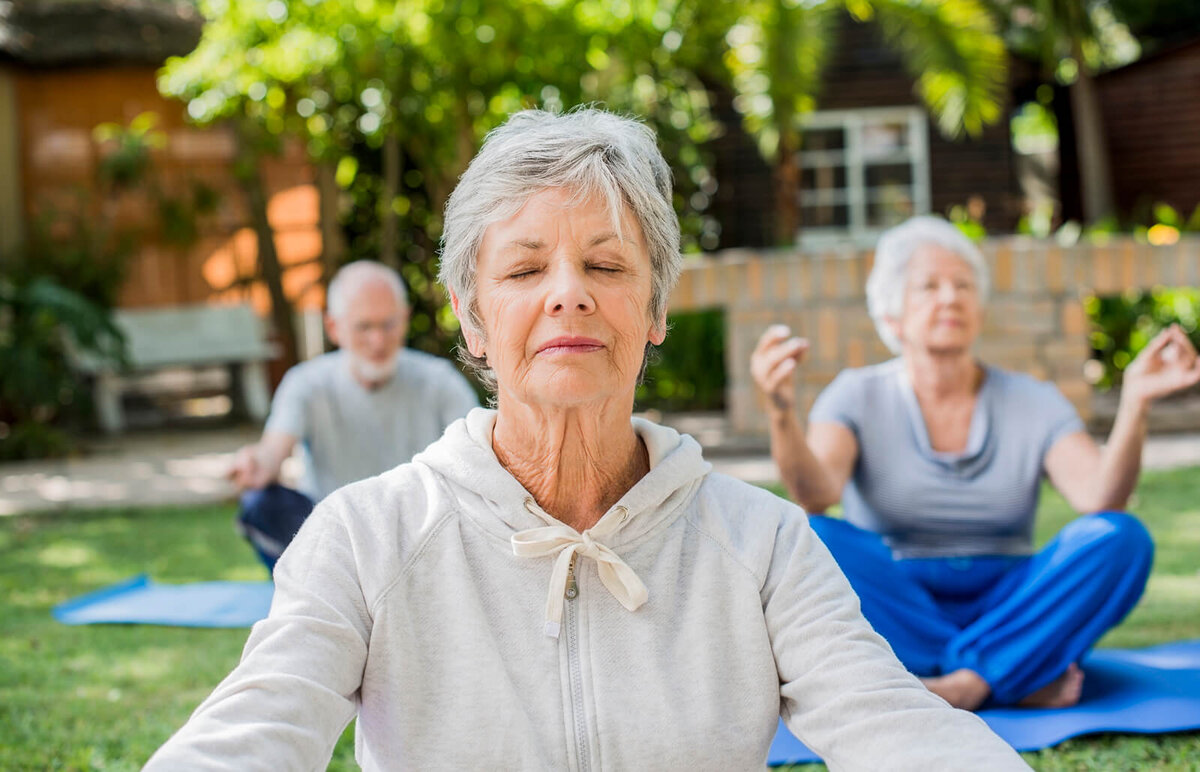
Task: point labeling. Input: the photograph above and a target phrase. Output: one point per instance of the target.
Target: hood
(464, 457)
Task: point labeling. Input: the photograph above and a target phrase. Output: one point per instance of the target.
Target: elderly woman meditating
(937, 460)
(554, 584)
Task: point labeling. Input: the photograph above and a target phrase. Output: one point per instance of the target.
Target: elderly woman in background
(554, 584)
(937, 460)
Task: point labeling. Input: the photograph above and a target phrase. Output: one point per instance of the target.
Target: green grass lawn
(103, 697)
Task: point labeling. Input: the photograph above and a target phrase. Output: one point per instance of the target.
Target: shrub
(1123, 324)
(42, 324)
(688, 372)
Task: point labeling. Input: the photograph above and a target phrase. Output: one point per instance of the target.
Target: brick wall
(1034, 321)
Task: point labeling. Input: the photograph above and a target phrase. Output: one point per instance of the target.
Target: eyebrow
(600, 238)
(535, 244)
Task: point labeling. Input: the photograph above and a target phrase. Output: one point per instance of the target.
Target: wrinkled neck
(576, 462)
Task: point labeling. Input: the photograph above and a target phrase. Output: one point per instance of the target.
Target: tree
(778, 48)
(1073, 40)
(391, 98)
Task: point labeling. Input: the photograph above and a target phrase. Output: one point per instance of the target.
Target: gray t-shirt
(925, 503)
(348, 432)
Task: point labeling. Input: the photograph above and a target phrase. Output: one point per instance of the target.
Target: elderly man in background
(357, 412)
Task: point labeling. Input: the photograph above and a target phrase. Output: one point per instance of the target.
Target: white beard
(371, 372)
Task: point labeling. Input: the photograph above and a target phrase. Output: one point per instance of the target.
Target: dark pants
(270, 517)
(1017, 621)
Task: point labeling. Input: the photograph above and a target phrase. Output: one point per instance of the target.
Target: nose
(568, 291)
(947, 292)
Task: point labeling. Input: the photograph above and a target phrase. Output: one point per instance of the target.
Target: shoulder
(382, 521)
(317, 371)
(857, 393)
(745, 521)
(883, 375)
(423, 366)
(1021, 386)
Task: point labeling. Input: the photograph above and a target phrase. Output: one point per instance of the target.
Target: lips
(570, 344)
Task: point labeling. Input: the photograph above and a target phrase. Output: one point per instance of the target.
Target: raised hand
(773, 366)
(1166, 365)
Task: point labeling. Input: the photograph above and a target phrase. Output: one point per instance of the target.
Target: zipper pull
(572, 591)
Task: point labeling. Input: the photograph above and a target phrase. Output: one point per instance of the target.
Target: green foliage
(128, 158)
(41, 324)
(57, 290)
(688, 370)
(421, 83)
(1123, 324)
(426, 81)
(968, 218)
(1067, 35)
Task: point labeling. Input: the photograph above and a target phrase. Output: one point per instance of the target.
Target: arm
(843, 692)
(1094, 479)
(258, 465)
(814, 469)
(285, 705)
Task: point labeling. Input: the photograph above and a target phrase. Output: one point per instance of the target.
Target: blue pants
(1019, 622)
(270, 517)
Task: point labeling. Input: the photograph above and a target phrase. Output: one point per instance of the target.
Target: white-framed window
(862, 171)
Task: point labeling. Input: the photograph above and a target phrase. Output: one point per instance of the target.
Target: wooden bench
(158, 339)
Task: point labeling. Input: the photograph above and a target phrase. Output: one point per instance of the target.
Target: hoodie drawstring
(565, 542)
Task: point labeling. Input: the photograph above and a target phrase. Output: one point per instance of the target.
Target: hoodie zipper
(573, 668)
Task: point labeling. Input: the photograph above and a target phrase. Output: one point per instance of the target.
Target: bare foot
(1062, 692)
(964, 688)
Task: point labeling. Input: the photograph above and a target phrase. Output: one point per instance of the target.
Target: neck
(577, 462)
(940, 376)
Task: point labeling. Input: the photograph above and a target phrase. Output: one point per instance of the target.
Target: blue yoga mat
(141, 601)
(1144, 691)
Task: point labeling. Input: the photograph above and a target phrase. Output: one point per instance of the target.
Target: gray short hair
(886, 284)
(351, 277)
(587, 151)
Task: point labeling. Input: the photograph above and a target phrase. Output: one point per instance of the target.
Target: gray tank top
(925, 503)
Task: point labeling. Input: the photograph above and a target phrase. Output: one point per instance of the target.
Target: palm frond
(952, 48)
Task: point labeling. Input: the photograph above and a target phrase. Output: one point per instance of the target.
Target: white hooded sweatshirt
(403, 600)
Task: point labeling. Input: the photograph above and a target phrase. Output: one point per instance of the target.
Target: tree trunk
(787, 180)
(269, 267)
(1095, 169)
(333, 241)
(389, 222)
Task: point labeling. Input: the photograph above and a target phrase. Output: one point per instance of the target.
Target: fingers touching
(774, 361)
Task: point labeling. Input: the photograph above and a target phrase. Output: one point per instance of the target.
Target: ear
(331, 329)
(658, 330)
(894, 325)
(474, 343)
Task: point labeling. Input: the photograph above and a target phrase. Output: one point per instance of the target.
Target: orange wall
(57, 110)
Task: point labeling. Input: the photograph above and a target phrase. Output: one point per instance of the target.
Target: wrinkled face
(371, 330)
(942, 309)
(563, 300)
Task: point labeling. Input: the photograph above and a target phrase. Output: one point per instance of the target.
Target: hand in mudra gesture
(773, 366)
(1166, 365)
